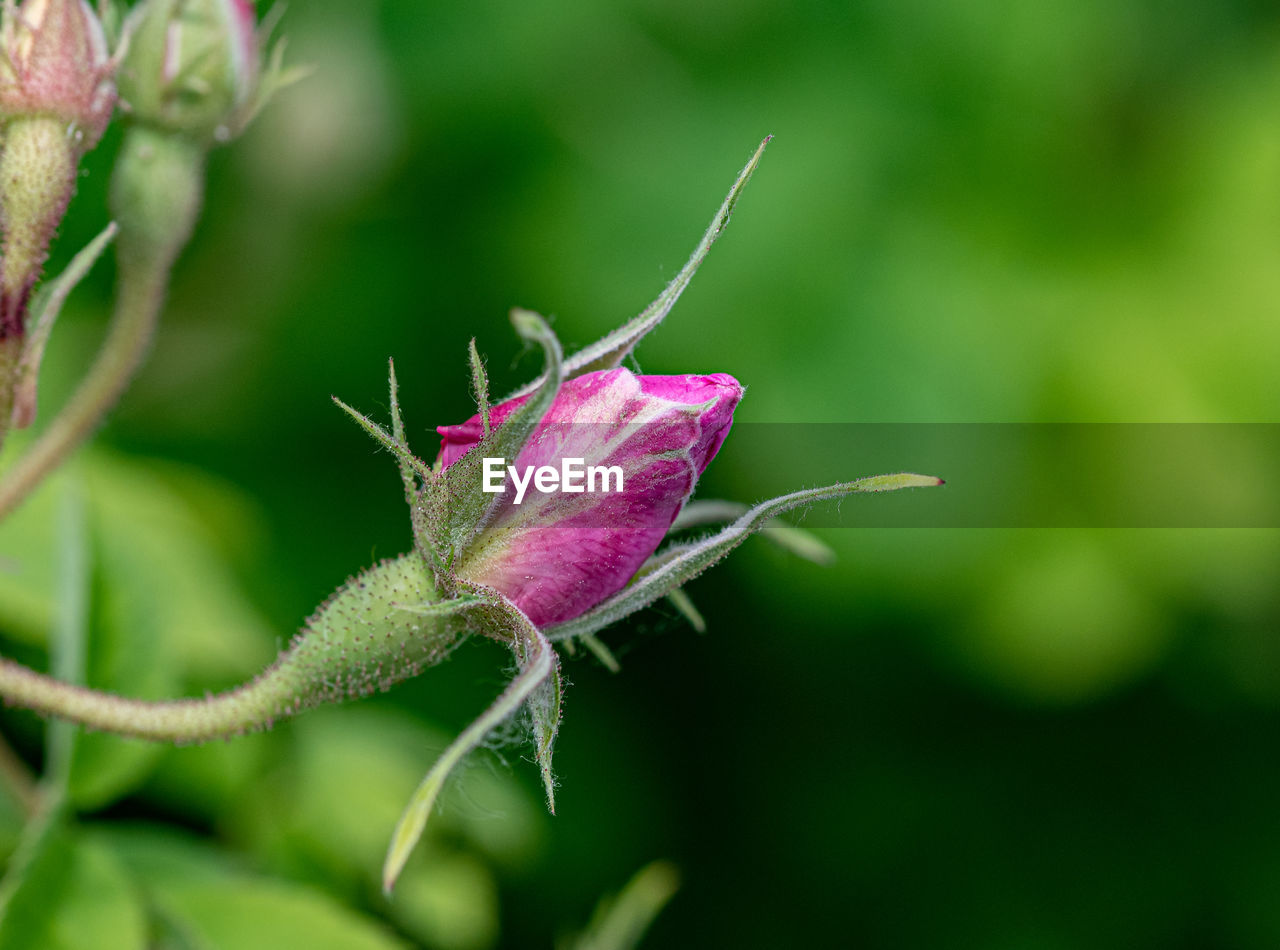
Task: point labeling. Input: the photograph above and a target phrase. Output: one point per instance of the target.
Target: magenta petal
(457, 440)
(558, 554)
(719, 389)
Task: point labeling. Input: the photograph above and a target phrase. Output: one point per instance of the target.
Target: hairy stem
(382, 627)
(156, 192)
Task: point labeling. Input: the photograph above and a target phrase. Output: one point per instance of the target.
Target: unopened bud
(56, 64)
(193, 66)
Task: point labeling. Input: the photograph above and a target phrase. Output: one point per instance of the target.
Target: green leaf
(347, 782)
(349, 774)
(613, 349)
(69, 639)
(683, 562)
(202, 782)
(169, 616)
(449, 903)
(205, 897)
(42, 866)
(78, 895)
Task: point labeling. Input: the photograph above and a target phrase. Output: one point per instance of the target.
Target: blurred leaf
(78, 895)
(203, 781)
(27, 566)
(160, 519)
(1063, 622)
(449, 901)
(378, 754)
(329, 812)
(168, 616)
(13, 816)
(620, 921)
(212, 904)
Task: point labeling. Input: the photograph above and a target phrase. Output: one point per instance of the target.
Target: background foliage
(972, 212)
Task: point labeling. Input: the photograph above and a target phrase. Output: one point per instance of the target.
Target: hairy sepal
(611, 350)
(45, 309)
(798, 541)
(459, 508)
(537, 683)
(673, 567)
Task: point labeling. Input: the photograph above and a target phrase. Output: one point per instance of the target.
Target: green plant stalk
(381, 627)
(156, 192)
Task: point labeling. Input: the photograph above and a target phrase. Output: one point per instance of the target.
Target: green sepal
(684, 604)
(411, 467)
(459, 508)
(44, 313)
(538, 663)
(671, 568)
(611, 350)
(600, 651)
(408, 462)
(798, 541)
(480, 386)
(544, 713)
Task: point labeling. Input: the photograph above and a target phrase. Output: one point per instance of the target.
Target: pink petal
(558, 554)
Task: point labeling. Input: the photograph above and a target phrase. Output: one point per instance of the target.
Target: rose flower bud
(193, 67)
(56, 64)
(56, 97)
(556, 554)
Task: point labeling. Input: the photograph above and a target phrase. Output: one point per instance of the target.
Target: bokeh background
(972, 211)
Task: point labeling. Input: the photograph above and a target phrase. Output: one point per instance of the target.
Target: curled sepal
(610, 351)
(799, 542)
(537, 665)
(674, 566)
(544, 714)
(44, 310)
(460, 508)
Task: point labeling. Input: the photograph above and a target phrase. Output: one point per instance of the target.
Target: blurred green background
(972, 212)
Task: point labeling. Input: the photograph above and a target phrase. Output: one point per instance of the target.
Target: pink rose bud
(56, 64)
(557, 553)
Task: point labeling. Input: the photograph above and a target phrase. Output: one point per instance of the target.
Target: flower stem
(155, 195)
(382, 627)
